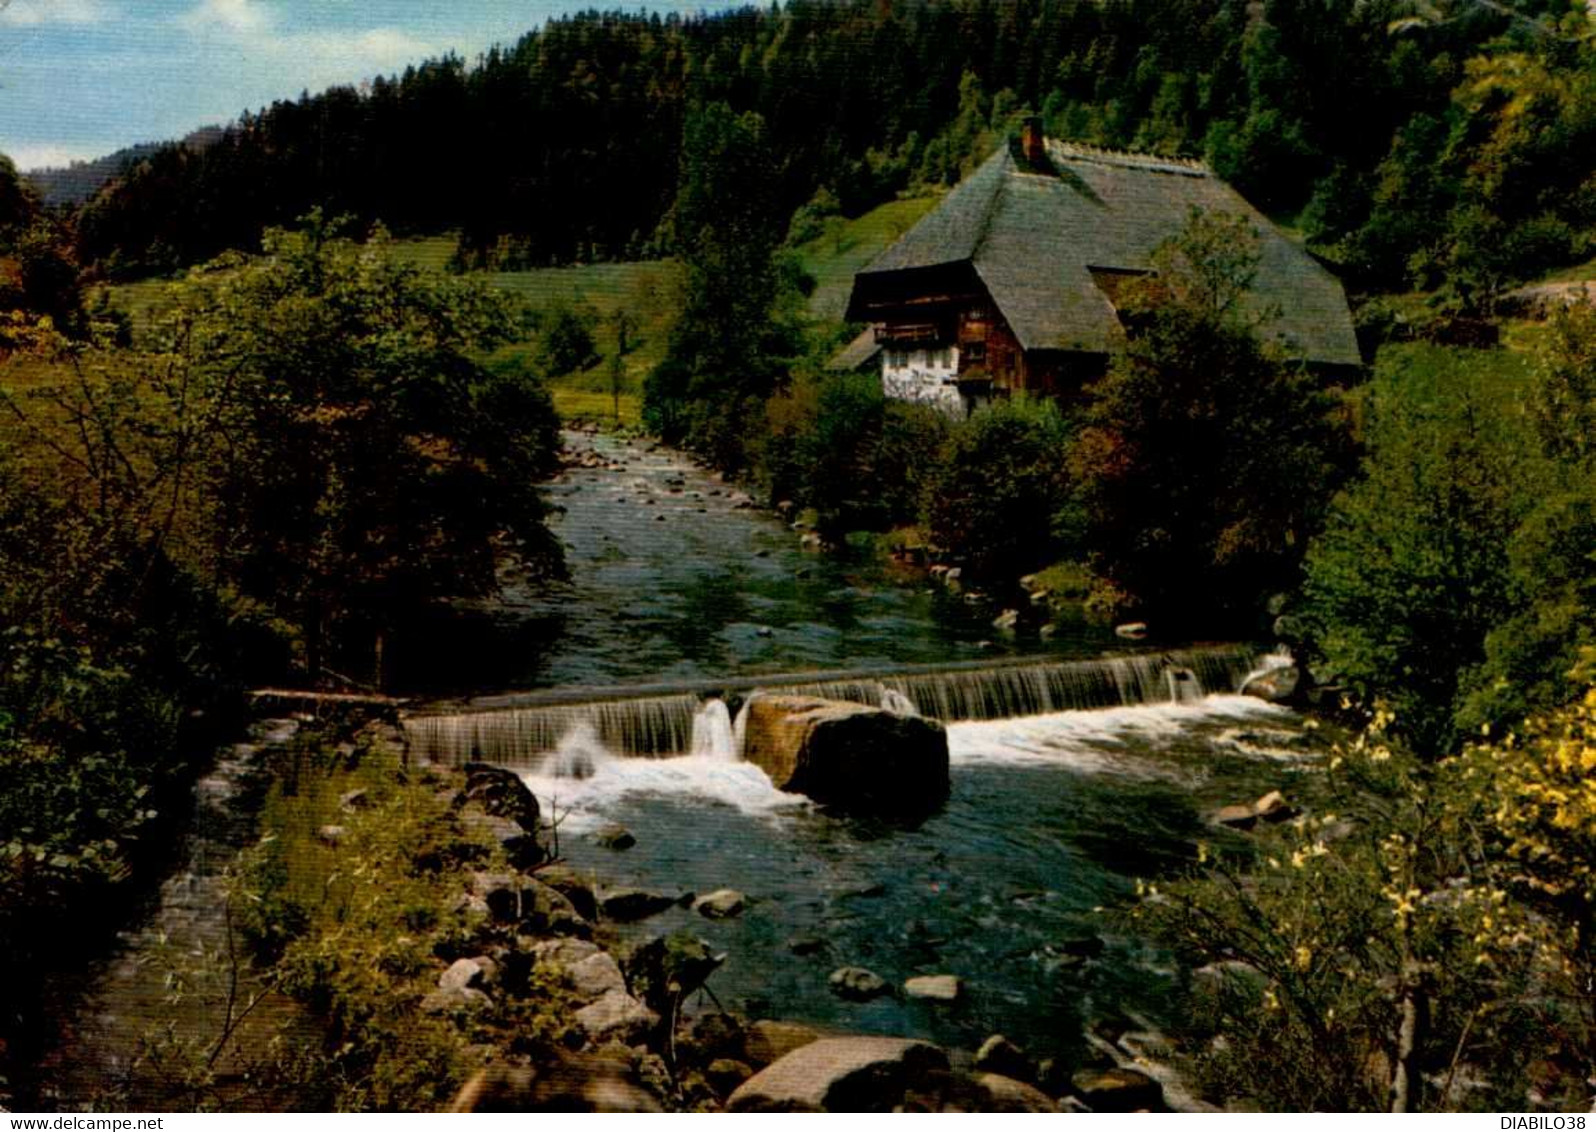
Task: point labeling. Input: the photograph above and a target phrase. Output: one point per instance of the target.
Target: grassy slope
(846, 246)
(649, 290)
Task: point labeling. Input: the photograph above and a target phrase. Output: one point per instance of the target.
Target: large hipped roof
(1035, 238)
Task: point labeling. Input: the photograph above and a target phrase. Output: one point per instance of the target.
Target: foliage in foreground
(1422, 944)
(309, 448)
(359, 928)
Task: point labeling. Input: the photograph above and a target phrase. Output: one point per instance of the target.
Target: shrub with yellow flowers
(1413, 944)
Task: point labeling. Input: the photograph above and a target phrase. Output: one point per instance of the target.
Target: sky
(83, 78)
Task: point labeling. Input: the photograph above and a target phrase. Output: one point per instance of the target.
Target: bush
(1204, 461)
(1389, 952)
(1455, 576)
(998, 483)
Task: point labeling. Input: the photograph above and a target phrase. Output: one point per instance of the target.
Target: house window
(975, 352)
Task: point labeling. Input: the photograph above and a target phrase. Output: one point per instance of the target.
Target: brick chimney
(1032, 143)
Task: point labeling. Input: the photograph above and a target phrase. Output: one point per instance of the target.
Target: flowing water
(1051, 822)
(675, 576)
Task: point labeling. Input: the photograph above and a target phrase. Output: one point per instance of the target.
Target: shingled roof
(1035, 238)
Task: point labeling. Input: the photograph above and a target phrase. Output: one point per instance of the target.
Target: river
(673, 575)
(1054, 816)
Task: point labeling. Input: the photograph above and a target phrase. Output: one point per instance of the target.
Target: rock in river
(721, 904)
(614, 837)
(628, 904)
(857, 983)
(938, 988)
(841, 1075)
(851, 757)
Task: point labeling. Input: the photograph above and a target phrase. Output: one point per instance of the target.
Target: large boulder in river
(851, 757)
(841, 1075)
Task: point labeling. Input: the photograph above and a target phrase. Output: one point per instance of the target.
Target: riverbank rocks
(1001, 1056)
(1118, 1090)
(466, 974)
(546, 911)
(842, 1075)
(460, 987)
(616, 1015)
(596, 976)
(850, 757)
(1009, 1095)
(501, 794)
(856, 983)
(768, 1041)
(937, 988)
(721, 904)
(571, 885)
(563, 952)
(449, 1001)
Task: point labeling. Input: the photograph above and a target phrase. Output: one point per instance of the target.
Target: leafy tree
(838, 445)
(1205, 460)
(565, 340)
(1413, 569)
(727, 351)
(362, 460)
(998, 481)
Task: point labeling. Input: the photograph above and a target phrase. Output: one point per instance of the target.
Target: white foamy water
(584, 802)
(712, 733)
(1124, 741)
(584, 780)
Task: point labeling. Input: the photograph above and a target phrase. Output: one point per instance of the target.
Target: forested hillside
(1419, 144)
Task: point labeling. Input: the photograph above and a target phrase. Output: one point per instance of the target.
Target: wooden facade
(1014, 282)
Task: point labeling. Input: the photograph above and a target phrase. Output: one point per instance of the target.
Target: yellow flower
(1302, 957)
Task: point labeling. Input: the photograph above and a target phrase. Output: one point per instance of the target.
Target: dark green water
(671, 579)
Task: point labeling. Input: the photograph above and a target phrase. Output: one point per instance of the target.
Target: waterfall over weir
(657, 720)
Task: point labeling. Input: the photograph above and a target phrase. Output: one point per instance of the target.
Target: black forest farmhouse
(1011, 282)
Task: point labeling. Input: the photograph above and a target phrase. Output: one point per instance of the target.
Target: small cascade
(1184, 687)
(740, 731)
(897, 703)
(521, 736)
(678, 719)
(579, 753)
(1008, 691)
(713, 735)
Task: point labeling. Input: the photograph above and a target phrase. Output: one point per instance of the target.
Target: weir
(658, 720)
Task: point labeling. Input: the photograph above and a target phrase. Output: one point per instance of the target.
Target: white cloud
(358, 53)
(30, 157)
(257, 42)
(242, 16)
(31, 13)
